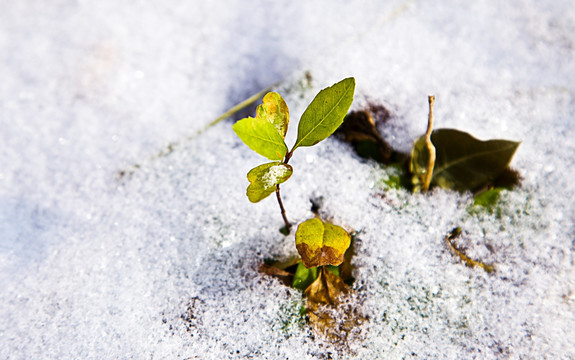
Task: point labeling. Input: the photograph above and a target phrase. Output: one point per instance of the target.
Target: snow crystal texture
(125, 233)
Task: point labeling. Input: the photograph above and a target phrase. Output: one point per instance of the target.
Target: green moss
(394, 177)
(487, 201)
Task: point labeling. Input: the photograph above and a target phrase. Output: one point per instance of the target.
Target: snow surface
(103, 259)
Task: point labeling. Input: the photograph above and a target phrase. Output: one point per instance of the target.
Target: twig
(468, 261)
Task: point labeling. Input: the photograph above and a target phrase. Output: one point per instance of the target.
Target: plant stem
(283, 210)
(430, 147)
(288, 156)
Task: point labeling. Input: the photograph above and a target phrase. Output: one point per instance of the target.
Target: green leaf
(325, 113)
(265, 178)
(466, 163)
(275, 110)
(262, 137)
(320, 243)
(304, 277)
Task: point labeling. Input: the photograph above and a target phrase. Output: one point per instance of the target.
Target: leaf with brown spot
(320, 243)
(275, 110)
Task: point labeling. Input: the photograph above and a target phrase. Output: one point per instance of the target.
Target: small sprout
(325, 113)
(275, 110)
(488, 199)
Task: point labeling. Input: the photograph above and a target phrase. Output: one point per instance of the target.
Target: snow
(113, 246)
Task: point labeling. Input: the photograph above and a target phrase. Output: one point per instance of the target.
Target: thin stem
(288, 156)
(283, 210)
(431, 99)
(468, 261)
(430, 147)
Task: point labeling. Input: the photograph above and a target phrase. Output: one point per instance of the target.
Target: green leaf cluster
(265, 134)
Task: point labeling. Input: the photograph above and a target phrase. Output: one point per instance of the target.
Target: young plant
(319, 243)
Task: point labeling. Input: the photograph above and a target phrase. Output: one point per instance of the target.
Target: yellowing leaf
(275, 110)
(325, 113)
(265, 178)
(262, 137)
(320, 243)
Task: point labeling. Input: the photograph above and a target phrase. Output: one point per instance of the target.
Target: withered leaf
(422, 163)
(330, 309)
(326, 289)
(273, 271)
(359, 129)
(423, 156)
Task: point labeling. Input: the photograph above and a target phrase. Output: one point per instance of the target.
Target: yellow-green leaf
(275, 110)
(320, 243)
(262, 137)
(265, 178)
(325, 113)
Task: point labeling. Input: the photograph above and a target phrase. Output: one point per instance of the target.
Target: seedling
(319, 243)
